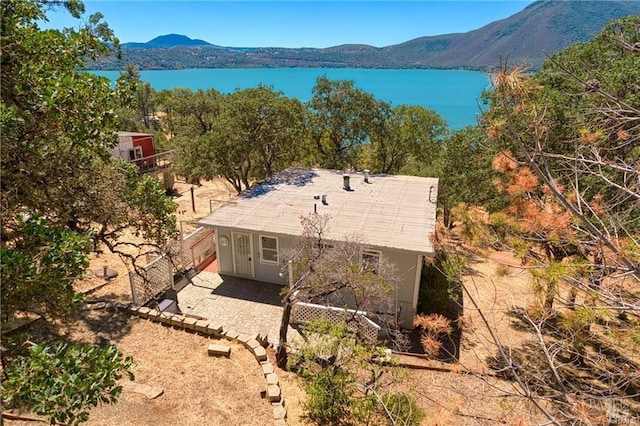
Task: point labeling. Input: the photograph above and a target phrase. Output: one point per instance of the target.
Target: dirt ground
(200, 390)
(473, 396)
(118, 288)
(197, 389)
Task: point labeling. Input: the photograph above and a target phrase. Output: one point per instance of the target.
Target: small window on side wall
(268, 249)
(135, 153)
(371, 260)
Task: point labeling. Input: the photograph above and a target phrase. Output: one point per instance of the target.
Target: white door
(242, 254)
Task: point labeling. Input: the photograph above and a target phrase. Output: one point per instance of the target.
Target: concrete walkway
(246, 306)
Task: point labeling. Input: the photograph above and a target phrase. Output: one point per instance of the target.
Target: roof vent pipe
(431, 188)
(366, 175)
(324, 199)
(345, 179)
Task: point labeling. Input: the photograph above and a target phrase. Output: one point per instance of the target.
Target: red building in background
(135, 147)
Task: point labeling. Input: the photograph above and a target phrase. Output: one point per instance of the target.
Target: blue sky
(293, 23)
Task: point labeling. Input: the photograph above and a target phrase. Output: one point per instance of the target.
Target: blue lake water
(453, 94)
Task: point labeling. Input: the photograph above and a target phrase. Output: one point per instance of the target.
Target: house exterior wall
(225, 253)
(270, 272)
(406, 264)
(146, 143)
(127, 142)
(122, 150)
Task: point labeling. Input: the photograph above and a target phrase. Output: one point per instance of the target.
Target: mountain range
(527, 37)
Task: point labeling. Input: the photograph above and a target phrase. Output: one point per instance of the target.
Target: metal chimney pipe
(366, 176)
(345, 179)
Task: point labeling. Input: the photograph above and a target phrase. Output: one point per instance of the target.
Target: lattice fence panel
(179, 256)
(155, 278)
(304, 313)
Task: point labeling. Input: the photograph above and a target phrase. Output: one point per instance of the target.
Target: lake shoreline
(453, 94)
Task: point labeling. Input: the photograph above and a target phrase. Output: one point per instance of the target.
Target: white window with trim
(371, 259)
(268, 249)
(135, 153)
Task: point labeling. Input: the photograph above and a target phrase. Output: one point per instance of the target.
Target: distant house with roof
(140, 148)
(395, 216)
(134, 147)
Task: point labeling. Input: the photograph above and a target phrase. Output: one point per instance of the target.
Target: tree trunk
(281, 354)
(233, 180)
(571, 299)
(267, 167)
(446, 216)
(548, 299)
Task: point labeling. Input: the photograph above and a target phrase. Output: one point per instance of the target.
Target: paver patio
(242, 305)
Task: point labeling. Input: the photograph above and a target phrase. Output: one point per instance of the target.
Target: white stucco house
(394, 215)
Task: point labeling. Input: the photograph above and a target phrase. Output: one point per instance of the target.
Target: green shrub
(329, 391)
(65, 381)
(440, 286)
(401, 409)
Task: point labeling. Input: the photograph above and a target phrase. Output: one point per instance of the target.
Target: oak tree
(63, 192)
(343, 118)
(406, 132)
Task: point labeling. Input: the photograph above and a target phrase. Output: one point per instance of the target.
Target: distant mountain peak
(177, 40)
(169, 40)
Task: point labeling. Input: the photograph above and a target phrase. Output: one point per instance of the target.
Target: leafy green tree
(465, 172)
(259, 127)
(47, 254)
(462, 163)
(464, 168)
(190, 118)
(137, 117)
(58, 128)
(145, 103)
(63, 192)
(347, 379)
(408, 132)
(277, 127)
(131, 73)
(65, 381)
(244, 136)
(343, 118)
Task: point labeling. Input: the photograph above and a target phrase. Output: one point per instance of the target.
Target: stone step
(219, 350)
(273, 393)
(151, 392)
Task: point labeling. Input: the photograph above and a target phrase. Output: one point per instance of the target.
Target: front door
(242, 254)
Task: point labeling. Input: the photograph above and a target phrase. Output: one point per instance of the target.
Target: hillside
(540, 29)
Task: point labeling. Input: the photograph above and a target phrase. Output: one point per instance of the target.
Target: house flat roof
(390, 211)
(129, 134)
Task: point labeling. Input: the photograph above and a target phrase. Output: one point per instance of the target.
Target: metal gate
(203, 251)
(195, 250)
(242, 262)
